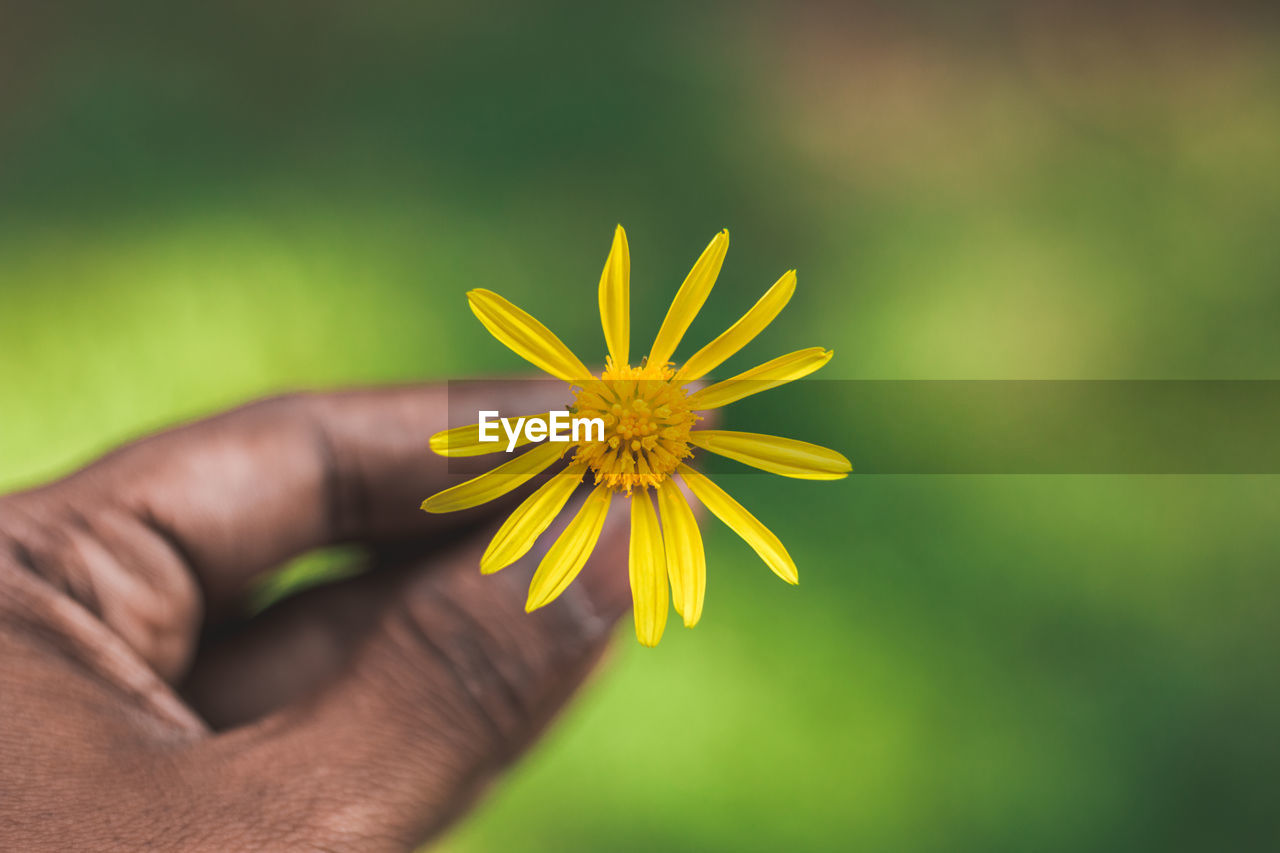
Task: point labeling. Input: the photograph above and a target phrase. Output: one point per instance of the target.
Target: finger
(305, 641)
(261, 664)
(241, 492)
(452, 682)
(247, 670)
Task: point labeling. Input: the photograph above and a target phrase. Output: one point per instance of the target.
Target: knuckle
(503, 670)
(102, 561)
(487, 686)
(48, 554)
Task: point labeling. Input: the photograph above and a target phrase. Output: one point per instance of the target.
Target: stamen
(647, 422)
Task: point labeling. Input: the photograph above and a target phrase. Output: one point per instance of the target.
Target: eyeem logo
(557, 427)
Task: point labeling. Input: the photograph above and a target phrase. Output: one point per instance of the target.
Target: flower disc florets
(646, 426)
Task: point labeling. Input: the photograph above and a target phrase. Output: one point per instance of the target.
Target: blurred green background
(246, 197)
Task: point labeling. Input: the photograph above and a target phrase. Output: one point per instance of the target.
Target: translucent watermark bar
(969, 426)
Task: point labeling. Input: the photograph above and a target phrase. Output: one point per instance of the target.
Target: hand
(137, 713)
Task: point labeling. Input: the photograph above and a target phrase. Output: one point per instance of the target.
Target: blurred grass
(202, 207)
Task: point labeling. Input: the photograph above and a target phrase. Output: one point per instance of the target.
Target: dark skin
(139, 709)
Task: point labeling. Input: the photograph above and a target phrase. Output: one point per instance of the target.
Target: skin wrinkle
(454, 749)
(464, 675)
(338, 508)
(479, 664)
(472, 661)
(82, 583)
(63, 628)
(177, 555)
(521, 671)
(150, 603)
(30, 545)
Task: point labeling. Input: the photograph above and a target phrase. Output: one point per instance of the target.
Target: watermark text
(554, 426)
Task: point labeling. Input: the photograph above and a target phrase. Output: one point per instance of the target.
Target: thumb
(452, 683)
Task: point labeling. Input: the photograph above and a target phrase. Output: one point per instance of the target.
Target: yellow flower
(650, 418)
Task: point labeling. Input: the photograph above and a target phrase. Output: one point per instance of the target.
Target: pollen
(646, 426)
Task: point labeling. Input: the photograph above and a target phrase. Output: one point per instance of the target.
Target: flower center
(646, 426)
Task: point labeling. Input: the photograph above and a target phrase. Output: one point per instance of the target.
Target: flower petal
(740, 333)
(465, 440)
(523, 527)
(648, 571)
(496, 483)
(746, 525)
(686, 561)
(570, 552)
(525, 336)
(771, 374)
(777, 455)
(689, 299)
(615, 299)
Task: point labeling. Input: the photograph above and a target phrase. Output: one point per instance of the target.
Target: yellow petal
(530, 519)
(570, 552)
(686, 561)
(746, 525)
(689, 299)
(771, 374)
(777, 455)
(740, 333)
(465, 440)
(615, 299)
(525, 336)
(648, 571)
(496, 483)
